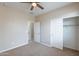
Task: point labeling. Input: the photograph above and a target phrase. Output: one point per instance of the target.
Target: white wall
(64, 12)
(14, 27)
(45, 32)
(56, 31)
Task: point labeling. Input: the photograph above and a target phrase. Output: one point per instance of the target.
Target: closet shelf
(70, 25)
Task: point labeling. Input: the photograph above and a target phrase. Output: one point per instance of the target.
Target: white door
(37, 32)
(56, 33)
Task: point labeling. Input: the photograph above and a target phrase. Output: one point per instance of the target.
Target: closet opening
(71, 33)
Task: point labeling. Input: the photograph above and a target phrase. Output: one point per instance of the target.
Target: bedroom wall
(14, 27)
(60, 13)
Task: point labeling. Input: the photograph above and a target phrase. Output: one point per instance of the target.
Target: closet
(71, 32)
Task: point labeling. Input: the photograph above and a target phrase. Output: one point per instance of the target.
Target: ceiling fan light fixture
(34, 4)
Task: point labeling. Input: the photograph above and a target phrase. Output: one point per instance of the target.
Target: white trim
(13, 47)
(45, 44)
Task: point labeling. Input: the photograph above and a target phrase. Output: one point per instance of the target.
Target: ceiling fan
(34, 4)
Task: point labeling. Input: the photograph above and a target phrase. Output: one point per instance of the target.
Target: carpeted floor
(36, 49)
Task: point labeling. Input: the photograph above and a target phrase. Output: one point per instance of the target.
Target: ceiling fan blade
(31, 8)
(40, 6)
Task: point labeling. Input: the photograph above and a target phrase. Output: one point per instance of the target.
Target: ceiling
(48, 6)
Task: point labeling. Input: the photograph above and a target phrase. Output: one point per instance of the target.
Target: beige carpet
(36, 49)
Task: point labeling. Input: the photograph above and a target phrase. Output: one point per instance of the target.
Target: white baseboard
(46, 44)
(13, 47)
